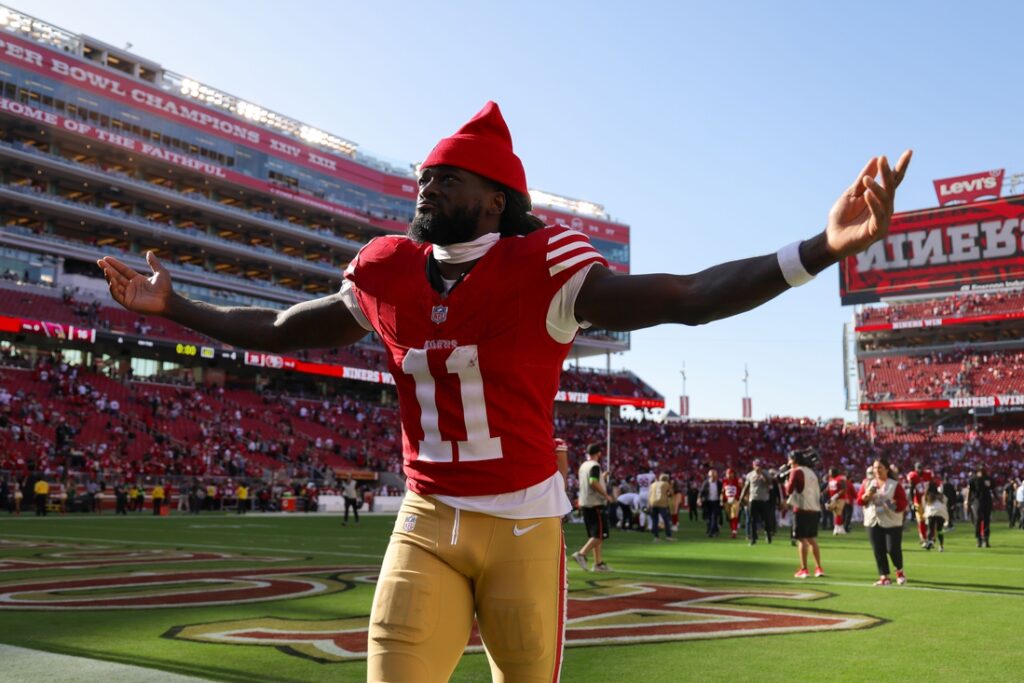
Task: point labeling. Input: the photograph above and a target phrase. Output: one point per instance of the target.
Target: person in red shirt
(478, 306)
(731, 486)
(919, 478)
(851, 495)
(837, 499)
(804, 496)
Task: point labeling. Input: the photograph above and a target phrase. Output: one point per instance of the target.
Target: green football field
(286, 598)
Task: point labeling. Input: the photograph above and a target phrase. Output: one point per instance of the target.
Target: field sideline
(286, 598)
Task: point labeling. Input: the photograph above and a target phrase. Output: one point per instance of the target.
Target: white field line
(825, 581)
(23, 664)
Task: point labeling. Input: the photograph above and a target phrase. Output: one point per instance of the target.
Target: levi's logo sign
(967, 186)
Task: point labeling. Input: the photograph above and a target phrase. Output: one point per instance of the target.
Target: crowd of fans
(687, 450)
(59, 420)
(72, 308)
(943, 375)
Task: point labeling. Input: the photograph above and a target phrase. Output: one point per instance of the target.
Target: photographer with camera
(804, 497)
(884, 502)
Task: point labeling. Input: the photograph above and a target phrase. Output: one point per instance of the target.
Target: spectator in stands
(884, 501)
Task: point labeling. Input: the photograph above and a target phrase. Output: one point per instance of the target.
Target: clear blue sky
(716, 130)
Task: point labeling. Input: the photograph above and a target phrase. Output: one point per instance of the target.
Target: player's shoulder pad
(378, 252)
(564, 250)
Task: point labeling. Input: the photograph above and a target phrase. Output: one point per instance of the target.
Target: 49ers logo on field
(157, 590)
(608, 612)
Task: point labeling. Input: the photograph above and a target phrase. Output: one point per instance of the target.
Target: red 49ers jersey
(476, 370)
(919, 483)
(730, 488)
(837, 485)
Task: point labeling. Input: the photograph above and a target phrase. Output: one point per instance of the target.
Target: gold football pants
(442, 567)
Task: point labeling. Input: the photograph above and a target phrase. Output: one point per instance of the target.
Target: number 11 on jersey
(479, 444)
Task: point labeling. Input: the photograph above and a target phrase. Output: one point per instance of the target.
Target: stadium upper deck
(944, 344)
(102, 151)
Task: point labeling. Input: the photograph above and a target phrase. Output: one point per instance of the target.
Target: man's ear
(496, 206)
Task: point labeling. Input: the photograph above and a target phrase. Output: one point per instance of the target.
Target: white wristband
(792, 267)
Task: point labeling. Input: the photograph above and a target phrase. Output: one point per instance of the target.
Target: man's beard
(446, 229)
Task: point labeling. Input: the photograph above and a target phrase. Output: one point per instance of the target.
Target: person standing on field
(804, 495)
(351, 495)
(980, 495)
(757, 489)
(592, 501)
(478, 306)
(884, 501)
(659, 500)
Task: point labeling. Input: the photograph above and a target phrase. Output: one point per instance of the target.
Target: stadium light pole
(608, 439)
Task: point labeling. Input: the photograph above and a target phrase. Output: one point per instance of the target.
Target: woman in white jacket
(936, 515)
(884, 502)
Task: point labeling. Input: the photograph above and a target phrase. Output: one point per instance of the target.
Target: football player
(918, 479)
(731, 486)
(837, 499)
(478, 306)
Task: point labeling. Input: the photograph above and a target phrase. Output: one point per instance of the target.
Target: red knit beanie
(483, 146)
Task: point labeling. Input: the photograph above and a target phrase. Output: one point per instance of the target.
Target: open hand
(134, 291)
(861, 215)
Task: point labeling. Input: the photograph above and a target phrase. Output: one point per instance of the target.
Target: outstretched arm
(859, 218)
(321, 323)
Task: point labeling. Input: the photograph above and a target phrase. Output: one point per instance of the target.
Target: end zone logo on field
(610, 612)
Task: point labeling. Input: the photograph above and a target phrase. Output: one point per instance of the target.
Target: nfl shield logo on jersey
(409, 524)
(438, 314)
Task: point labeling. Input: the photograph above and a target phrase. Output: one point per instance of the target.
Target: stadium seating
(953, 306)
(943, 375)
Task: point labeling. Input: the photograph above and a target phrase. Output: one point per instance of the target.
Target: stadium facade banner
(276, 362)
(272, 361)
(969, 188)
(940, 322)
(221, 123)
(997, 401)
(67, 69)
(176, 158)
(45, 328)
(967, 248)
(594, 227)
